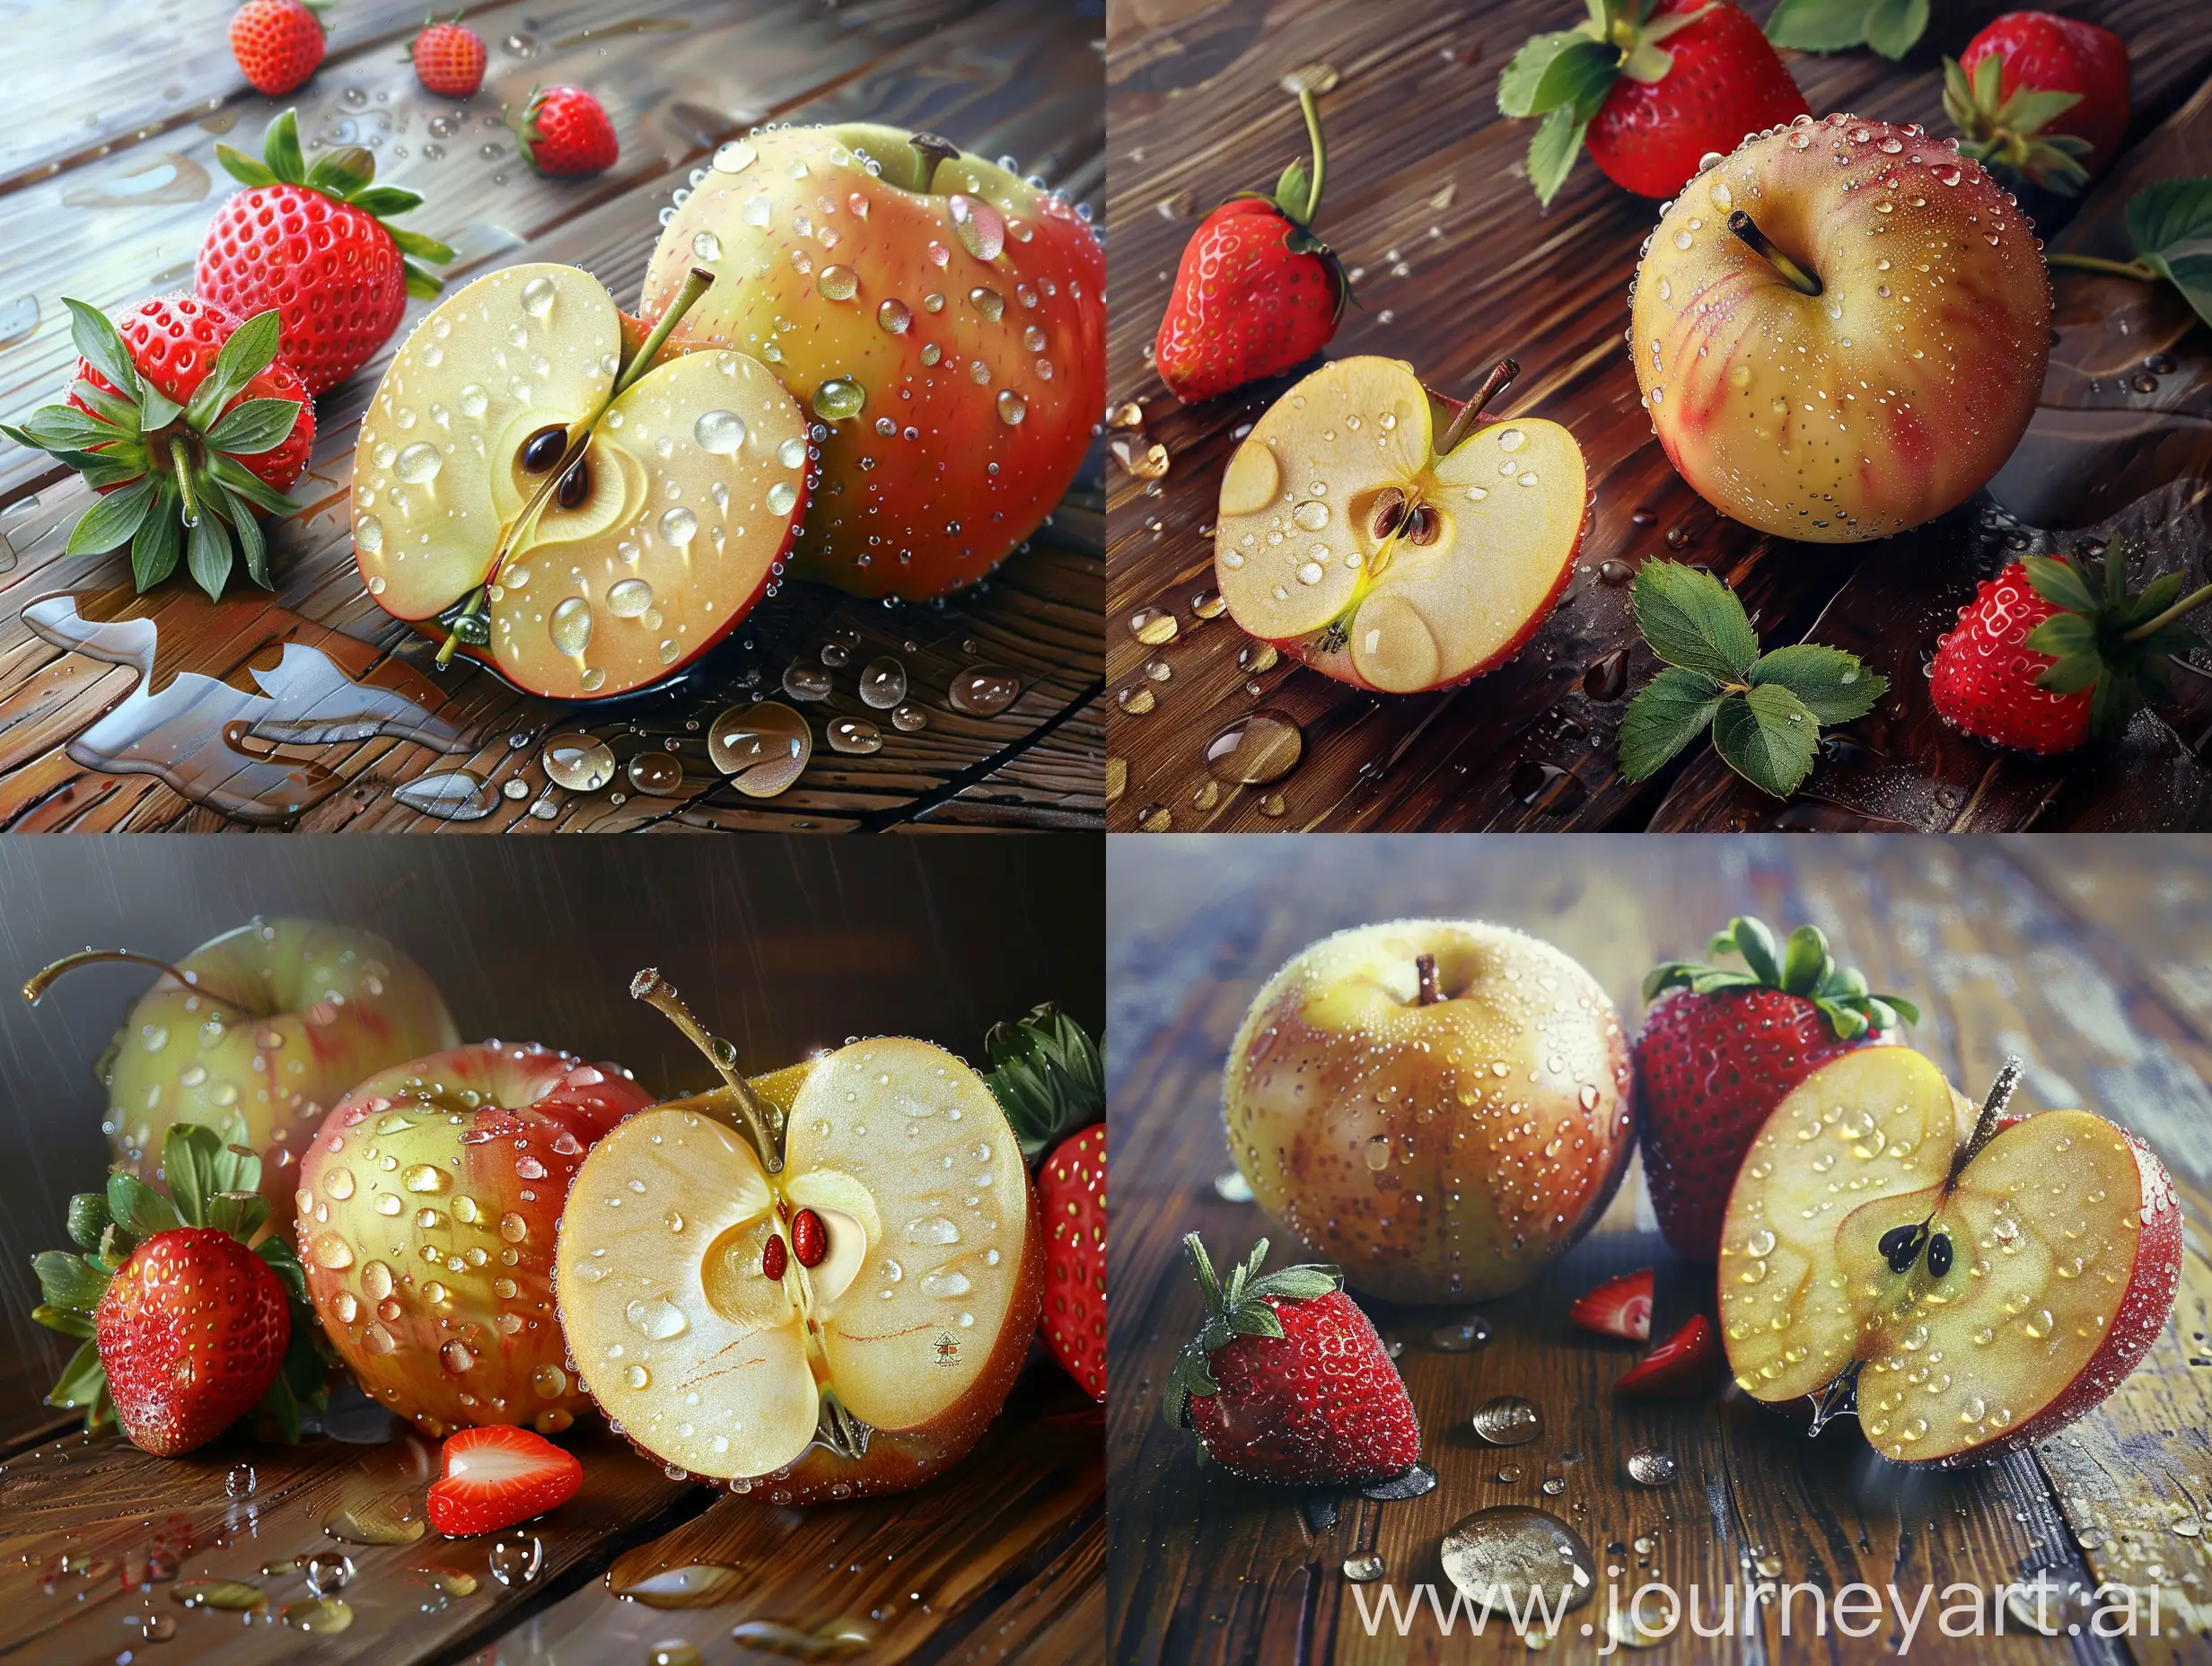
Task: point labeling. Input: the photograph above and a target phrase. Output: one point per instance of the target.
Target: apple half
(1975, 1291)
(583, 542)
(865, 1371)
(1345, 539)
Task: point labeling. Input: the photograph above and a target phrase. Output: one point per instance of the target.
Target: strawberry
(313, 244)
(565, 130)
(186, 422)
(2040, 98)
(1684, 1363)
(1620, 1307)
(185, 1329)
(2047, 652)
(277, 43)
(1651, 90)
(1048, 1077)
(1713, 1060)
(1288, 1381)
(1256, 291)
(494, 1477)
(449, 59)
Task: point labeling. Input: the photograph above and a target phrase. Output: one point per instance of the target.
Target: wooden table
(784, 945)
(1454, 268)
(108, 175)
(2086, 957)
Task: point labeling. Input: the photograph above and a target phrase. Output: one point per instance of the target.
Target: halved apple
(1975, 1288)
(583, 531)
(859, 1355)
(1346, 538)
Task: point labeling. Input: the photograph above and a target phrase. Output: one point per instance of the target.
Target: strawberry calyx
(345, 175)
(210, 1185)
(168, 473)
(1048, 1075)
(1802, 967)
(1236, 1307)
(2102, 638)
(2012, 133)
(1565, 77)
(430, 22)
(1297, 198)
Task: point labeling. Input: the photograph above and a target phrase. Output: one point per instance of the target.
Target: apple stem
(1499, 378)
(695, 283)
(934, 152)
(1425, 972)
(2194, 600)
(1992, 1109)
(39, 982)
(453, 636)
(1311, 112)
(2135, 269)
(650, 987)
(1804, 282)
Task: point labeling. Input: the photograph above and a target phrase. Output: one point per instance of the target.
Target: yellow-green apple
(1440, 1107)
(817, 1285)
(1974, 1282)
(256, 1034)
(426, 1213)
(555, 498)
(1352, 537)
(1840, 329)
(944, 321)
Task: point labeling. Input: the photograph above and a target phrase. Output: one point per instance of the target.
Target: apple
(1440, 1107)
(1350, 537)
(1975, 1284)
(1840, 329)
(255, 1034)
(816, 1285)
(584, 517)
(427, 1210)
(943, 321)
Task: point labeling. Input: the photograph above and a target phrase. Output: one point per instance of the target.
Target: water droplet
(516, 1561)
(839, 398)
(582, 764)
(1361, 1569)
(722, 432)
(658, 1319)
(837, 283)
(240, 1481)
(983, 692)
(1261, 747)
(931, 1229)
(1012, 407)
(571, 628)
(1649, 1468)
(419, 463)
(1507, 1420)
(883, 682)
(855, 736)
(233, 1595)
(981, 233)
(679, 527)
(705, 246)
(1464, 1335)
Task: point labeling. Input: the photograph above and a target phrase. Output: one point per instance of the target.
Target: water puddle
(167, 178)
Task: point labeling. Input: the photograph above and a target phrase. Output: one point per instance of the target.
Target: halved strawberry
(1686, 1362)
(1620, 1307)
(496, 1476)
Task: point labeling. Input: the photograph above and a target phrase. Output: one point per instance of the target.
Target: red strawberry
(186, 422)
(277, 43)
(1684, 1363)
(1651, 91)
(1288, 1381)
(2047, 652)
(496, 1476)
(312, 243)
(565, 130)
(1072, 1186)
(1712, 1061)
(1620, 1307)
(449, 59)
(2040, 98)
(1257, 292)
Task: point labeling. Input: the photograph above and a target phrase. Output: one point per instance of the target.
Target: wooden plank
(1456, 268)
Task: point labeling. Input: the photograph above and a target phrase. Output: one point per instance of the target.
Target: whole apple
(427, 1214)
(942, 320)
(1840, 329)
(256, 1034)
(1440, 1107)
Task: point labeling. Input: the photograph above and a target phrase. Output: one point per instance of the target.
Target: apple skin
(1309, 1094)
(911, 518)
(300, 1012)
(494, 1109)
(1857, 412)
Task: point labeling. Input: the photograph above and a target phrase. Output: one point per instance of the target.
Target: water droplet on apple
(988, 301)
(1012, 407)
(722, 432)
(538, 297)
(419, 463)
(755, 213)
(571, 626)
(837, 283)
(981, 233)
(734, 157)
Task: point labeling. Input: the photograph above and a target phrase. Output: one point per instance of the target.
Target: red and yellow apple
(1976, 1284)
(1440, 1107)
(942, 320)
(1840, 329)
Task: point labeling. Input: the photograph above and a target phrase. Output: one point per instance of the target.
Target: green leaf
(343, 172)
(1667, 713)
(246, 169)
(104, 403)
(68, 429)
(2171, 224)
(254, 427)
(422, 247)
(239, 1213)
(1693, 620)
(2073, 673)
(82, 1381)
(70, 1322)
(1552, 150)
(115, 465)
(280, 149)
(247, 353)
(88, 1218)
(99, 345)
(386, 200)
(250, 487)
(114, 519)
(188, 1153)
(1256, 1318)
(1835, 687)
(154, 552)
(284, 1262)
(1849, 1022)
(209, 554)
(1769, 737)
(421, 283)
(251, 543)
(156, 410)
(1804, 960)
(2058, 583)
(1906, 1010)
(68, 1281)
(1293, 194)
(1820, 25)
(1705, 979)
(1556, 72)
(2029, 111)
(1756, 944)
(2062, 636)
(1297, 1283)
(1893, 27)
(138, 1209)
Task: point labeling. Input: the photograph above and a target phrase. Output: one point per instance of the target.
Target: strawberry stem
(2135, 269)
(1424, 974)
(2195, 598)
(36, 986)
(1500, 377)
(181, 461)
(1311, 112)
(1804, 282)
(656, 991)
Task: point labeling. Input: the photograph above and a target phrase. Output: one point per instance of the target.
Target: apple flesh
(1980, 1310)
(942, 322)
(1891, 391)
(1345, 539)
(1438, 1150)
(616, 536)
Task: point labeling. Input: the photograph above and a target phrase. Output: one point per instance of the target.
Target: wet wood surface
(2084, 956)
(103, 196)
(1455, 267)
